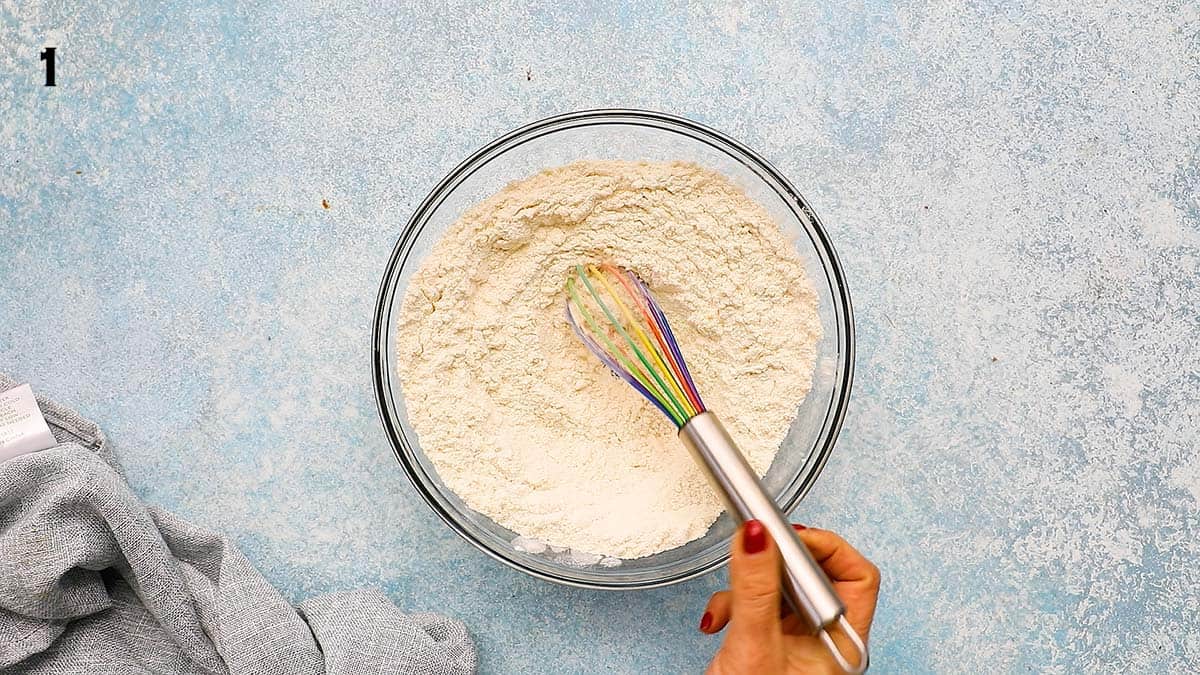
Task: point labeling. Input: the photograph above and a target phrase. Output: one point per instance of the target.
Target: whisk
(614, 314)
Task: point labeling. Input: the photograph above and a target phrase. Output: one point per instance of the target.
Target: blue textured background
(1012, 188)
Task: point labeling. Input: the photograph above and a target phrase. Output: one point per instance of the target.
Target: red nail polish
(798, 527)
(754, 537)
(706, 622)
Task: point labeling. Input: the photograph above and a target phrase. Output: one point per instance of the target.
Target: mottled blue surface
(1012, 189)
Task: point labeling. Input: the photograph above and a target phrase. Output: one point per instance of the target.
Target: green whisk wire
(674, 413)
(655, 368)
(662, 387)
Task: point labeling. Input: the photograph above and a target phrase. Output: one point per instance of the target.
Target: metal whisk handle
(805, 586)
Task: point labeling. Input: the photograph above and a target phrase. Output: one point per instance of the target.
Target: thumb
(754, 584)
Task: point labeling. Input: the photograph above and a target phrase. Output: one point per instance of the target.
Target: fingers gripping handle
(805, 585)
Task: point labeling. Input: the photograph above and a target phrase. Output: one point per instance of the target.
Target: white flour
(526, 426)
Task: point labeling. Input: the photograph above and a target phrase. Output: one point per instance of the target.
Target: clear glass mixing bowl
(629, 135)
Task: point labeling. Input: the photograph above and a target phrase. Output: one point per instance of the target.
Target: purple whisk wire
(669, 334)
(607, 360)
(619, 321)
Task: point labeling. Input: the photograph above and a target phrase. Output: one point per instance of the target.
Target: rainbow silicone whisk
(617, 318)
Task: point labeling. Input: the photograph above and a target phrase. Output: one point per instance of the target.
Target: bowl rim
(381, 377)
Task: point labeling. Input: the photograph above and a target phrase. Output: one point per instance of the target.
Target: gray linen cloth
(94, 581)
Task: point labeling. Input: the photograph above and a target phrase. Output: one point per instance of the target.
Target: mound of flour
(526, 426)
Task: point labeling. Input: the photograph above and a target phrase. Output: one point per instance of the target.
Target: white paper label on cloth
(22, 427)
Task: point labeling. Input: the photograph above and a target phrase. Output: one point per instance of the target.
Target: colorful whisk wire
(617, 318)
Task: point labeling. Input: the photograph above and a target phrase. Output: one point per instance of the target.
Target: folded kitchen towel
(94, 581)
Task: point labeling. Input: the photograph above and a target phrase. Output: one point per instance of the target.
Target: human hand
(760, 640)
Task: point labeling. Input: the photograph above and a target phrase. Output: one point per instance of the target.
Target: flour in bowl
(526, 426)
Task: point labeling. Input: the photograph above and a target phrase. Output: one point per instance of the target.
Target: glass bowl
(628, 135)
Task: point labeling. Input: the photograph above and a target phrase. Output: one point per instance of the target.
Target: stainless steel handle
(805, 585)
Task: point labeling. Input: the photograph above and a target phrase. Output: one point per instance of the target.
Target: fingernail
(706, 622)
(754, 537)
(798, 527)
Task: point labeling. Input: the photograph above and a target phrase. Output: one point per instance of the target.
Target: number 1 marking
(48, 57)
